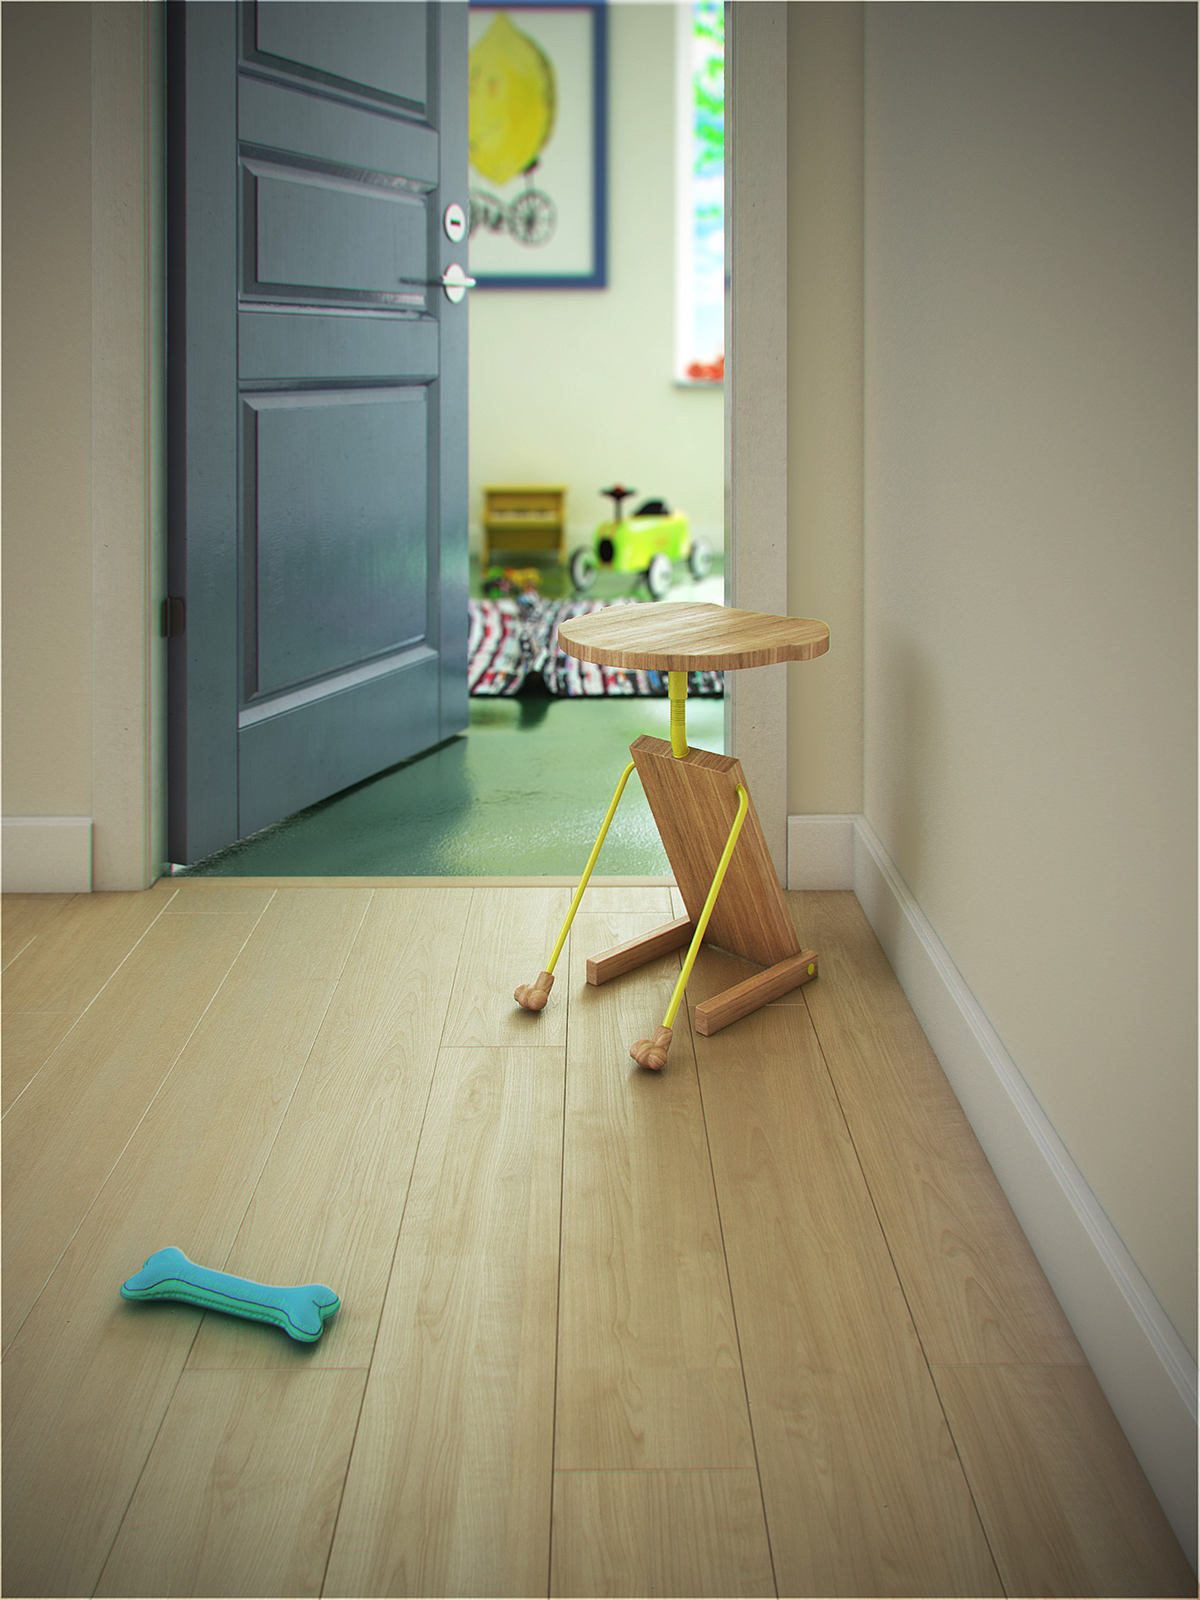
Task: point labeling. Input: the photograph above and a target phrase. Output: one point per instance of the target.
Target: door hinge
(173, 620)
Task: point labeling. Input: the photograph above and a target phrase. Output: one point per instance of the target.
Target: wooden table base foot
(625, 957)
(712, 1015)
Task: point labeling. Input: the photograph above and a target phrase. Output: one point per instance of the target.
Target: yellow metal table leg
(533, 996)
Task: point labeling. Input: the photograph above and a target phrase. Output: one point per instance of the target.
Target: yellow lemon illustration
(511, 101)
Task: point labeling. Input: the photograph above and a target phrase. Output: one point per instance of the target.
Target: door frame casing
(756, 422)
(128, 362)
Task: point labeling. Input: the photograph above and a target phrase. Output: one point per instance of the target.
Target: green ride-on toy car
(649, 542)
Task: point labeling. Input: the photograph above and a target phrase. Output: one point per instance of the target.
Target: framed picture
(538, 145)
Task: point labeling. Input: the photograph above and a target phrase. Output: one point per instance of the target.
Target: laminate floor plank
(1065, 1503)
(27, 1041)
(649, 1374)
(863, 1490)
(241, 1491)
(601, 899)
(65, 1133)
(23, 917)
(88, 1378)
(509, 940)
(26, 1033)
(304, 933)
(450, 1482)
(974, 1286)
(659, 1533)
(329, 1204)
(75, 954)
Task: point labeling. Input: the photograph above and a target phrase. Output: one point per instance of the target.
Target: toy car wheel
(701, 559)
(583, 569)
(659, 575)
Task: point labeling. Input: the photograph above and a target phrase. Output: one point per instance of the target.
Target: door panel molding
(276, 705)
(309, 42)
(329, 580)
(286, 116)
(269, 769)
(332, 343)
(362, 240)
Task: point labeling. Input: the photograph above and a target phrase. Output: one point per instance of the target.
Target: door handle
(456, 282)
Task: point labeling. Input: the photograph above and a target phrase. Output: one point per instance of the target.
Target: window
(700, 239)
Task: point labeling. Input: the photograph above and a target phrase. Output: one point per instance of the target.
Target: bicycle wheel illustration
(532, 217)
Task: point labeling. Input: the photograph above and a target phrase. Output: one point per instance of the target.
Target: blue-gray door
(317, 379)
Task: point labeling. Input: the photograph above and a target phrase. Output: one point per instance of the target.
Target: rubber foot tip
(652, 1053)
(533, 996)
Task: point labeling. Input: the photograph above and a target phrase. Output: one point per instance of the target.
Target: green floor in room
(522, 793)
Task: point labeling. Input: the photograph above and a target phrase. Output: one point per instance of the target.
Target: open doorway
(579, 387)
(616, 382)
(588, 389)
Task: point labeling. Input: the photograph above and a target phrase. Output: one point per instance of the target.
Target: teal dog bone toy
(301, 1312)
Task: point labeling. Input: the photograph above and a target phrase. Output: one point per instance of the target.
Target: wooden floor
(763, 1324)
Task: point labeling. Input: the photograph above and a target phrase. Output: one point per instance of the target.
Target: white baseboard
(46, 855)
(1141, 1363)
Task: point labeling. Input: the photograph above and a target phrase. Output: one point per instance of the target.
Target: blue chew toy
(301, 1312)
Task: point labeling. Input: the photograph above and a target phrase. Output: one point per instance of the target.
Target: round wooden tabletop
(687, 637)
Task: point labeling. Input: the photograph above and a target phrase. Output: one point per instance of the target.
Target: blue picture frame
(490, 215)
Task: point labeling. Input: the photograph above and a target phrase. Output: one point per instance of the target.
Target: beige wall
(1030, 558)
(575, 386)
(47, 344)
(83, 407)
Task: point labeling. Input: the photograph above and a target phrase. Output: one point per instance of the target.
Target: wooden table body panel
(694, 801)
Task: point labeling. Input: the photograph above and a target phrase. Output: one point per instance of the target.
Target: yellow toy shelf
(525, 517)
